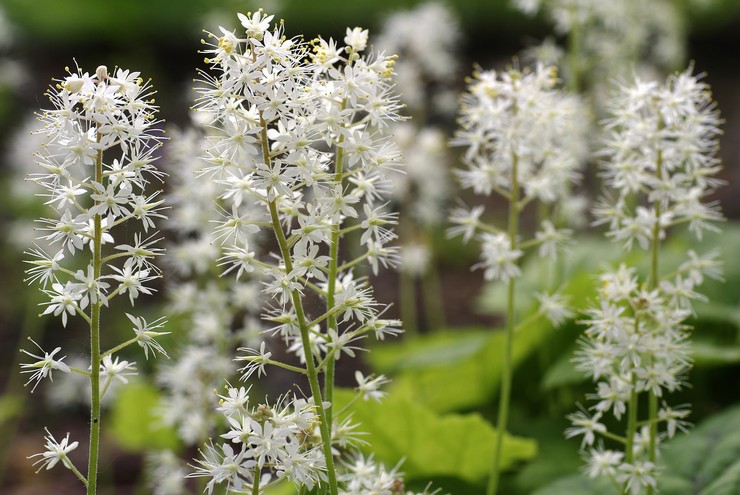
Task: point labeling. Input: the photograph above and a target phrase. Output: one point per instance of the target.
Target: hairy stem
(313, 378)
(506, 373)
(654, 257)
(331, 321)
(92, 467)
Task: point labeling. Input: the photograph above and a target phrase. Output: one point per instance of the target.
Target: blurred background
(161, 39)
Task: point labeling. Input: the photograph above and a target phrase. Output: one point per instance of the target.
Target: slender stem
(76, 471)
(506, 373)
(654, 259)
(92, 467)
(433, 297)
(256, 483)
(331, 321)
(119, 347)
(313, 378)
(631, 428)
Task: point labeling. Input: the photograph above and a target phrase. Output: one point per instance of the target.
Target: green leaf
(707, 457)
(713, 354)
(468, 374)
(134, 421)
(578, 484)
(563, 372)
(435, 349)
(727, 484)
(432, 445)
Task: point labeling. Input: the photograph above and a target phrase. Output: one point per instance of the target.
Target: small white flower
(369, 386)
(356, 39)
(146, 334)
(55, 452)
(44, 366)
(499, 259)
(554, 307)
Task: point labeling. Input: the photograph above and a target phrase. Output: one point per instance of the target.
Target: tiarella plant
(97, 164)
(660, 148)
(524, 140)
(298, 144)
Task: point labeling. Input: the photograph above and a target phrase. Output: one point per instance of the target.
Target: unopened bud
(101, 73)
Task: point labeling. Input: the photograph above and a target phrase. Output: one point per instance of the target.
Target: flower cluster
(296, 140)
(660, 159)
(661, 143)
(635, 342)
(100, 141)
(525, 140)
(97, 116)
(264, 444)
(426, 39)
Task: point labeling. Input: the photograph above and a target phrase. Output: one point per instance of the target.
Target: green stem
(313, 378)
(92, 467)
(331, 321)
(506, 373)
(631, 428)
(256, 483)
(654, 257)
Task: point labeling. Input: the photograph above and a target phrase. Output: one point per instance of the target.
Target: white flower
(146, 334)
(356, 39)
(369, 386)
(64, 299)
(55, 452)
(586, 425)
(603, 462)
(111, 369)
(44, 366)
(554, 307)
(637, 476)
(499, 259)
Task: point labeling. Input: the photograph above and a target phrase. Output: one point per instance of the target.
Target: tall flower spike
(659, 153)
(525, 140)
(101, 135)
(300, 147)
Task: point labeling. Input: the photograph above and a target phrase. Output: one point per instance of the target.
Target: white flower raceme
(659, 166)
(661, 142)
(107, 121)
(97, 167)
(426, 39)
(297, 143)
(525, 140)
(276, 440)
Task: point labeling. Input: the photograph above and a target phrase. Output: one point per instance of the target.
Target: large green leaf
(706, 458)
(430, 444)
(448, 373)
(435, 349)
(134, 421)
